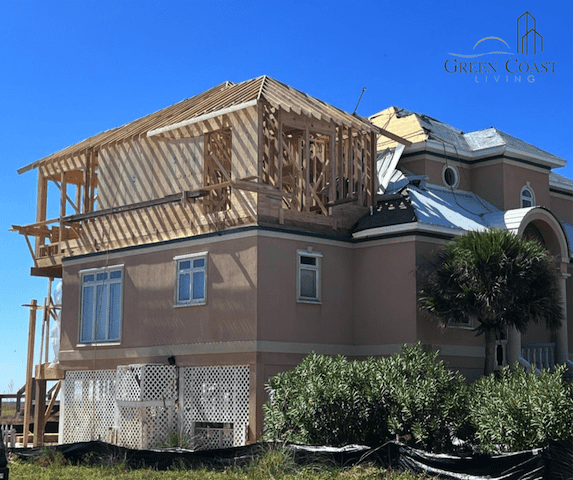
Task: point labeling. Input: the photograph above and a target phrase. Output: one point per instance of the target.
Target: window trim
(190, 256)
(316, 268)
(107, 282)
(451, 323)
(455, 173)
(531, 199)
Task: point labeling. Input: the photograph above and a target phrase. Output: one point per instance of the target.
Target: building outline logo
(528, 32)
(529, 42)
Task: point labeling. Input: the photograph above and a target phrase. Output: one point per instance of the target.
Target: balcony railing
(539, 355)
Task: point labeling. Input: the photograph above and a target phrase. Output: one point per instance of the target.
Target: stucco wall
(280, 316)
(385, 292)
(149, 316)
(562, 207)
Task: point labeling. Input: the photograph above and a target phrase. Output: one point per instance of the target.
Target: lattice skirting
(213, 400)
(139, 406)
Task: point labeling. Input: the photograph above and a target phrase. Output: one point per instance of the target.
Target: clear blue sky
(70, 69)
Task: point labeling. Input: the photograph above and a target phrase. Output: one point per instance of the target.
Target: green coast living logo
(528, 42)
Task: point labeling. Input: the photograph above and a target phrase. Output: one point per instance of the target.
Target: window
(101, 305)
(450, 176)
(308, 280)
(191, 279)
(527, 197)
(460, 323)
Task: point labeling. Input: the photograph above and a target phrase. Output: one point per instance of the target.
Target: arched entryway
(538, 345)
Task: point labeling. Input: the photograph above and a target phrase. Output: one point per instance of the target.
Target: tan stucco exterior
(368, 285)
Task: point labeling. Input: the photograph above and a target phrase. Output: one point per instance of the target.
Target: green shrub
(332, 401)
(519, 410)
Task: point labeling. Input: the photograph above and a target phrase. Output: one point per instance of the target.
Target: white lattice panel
(215, 395)
(89, 406)
(143, 383)
(211, 438)
(145, 427)
(135, 406)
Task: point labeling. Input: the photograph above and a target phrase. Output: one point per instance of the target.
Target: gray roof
(429, 206)
(561, 182)
(475, 143)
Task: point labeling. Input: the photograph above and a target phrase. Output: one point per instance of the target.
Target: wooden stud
(306, 168)
(41, 207)
(47, 317)
(280, 153)
(31, 251)
(87, 183)
(53, 400)
(373, 172)
(332, 189)
(29, 367)
(39, 413)
(260, 138)
(340, 157)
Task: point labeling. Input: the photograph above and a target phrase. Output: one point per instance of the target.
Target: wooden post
(41, 205)
(47, 317)
(332, 190)
(306, 163)
(280, 154)
(53, 400)
(43, 330)
(30, 363)
(373, 171)
(63, 192)
(87, 183)
(39, 412)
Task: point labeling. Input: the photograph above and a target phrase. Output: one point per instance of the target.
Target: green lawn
(273, 465)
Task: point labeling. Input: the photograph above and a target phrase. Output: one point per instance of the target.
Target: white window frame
(523, 198)
(316, 268)
(454, 172)
(106, 282)
(191, 257)
(467, 325)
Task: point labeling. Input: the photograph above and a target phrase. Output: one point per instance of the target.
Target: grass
(8, 409)
(272, 465)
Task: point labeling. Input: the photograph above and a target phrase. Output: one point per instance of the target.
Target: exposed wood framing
(49, 240)
(217, 170)
(281, 150)
(29, 366)
(317, 163)
(135, 206)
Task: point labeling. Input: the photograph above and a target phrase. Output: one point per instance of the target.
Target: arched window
(527, 197)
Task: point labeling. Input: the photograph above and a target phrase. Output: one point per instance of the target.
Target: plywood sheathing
(407, 127)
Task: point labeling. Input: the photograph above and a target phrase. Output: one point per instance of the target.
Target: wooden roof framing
(340, 160)
(218, 98)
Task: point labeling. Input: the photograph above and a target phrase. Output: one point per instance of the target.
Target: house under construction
(214, 243)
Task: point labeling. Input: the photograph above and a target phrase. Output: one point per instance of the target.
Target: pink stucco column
(562, 343)
(513, 346)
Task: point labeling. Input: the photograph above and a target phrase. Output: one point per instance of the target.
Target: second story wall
(156, 166)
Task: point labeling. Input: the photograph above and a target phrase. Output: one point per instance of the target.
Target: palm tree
(496, 278)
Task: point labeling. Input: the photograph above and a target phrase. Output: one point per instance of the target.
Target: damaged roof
(418, 127)
(410, 201)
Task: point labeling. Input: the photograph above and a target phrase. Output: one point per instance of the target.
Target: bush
(520, 410)
(332, 401)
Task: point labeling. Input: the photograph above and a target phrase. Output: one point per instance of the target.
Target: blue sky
(71, 69)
